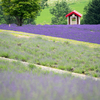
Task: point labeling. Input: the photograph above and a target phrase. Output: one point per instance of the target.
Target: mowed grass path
(65, 55)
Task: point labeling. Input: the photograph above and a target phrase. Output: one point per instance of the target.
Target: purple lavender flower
(86, 33)
(29, 86)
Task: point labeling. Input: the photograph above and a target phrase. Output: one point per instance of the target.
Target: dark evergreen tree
(59, 11)
(91, 13)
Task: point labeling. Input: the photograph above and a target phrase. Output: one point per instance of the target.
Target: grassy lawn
(78, 6)
(45, 17)
(65, 55)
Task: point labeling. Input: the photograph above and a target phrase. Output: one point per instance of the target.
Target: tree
(2, 20)
(91, 13)
(7, 19)
(44, 4)
(59, 11)
(29, 21)
(20, 9)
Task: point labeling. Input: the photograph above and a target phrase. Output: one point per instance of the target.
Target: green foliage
(4, 54)
(7, 19)
(59, 11)
(29, 21)
(21, 10)
(44, 4)
(95, 75)
(1, 15)
(92, 13)
(32, 66)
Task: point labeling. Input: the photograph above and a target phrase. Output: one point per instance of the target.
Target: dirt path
(82, 76)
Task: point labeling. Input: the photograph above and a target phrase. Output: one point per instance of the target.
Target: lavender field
(28, 86)
(77, 58)
(87, 33)
(19, 82)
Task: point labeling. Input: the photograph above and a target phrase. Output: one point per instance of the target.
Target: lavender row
(87, 33)
(29, 86)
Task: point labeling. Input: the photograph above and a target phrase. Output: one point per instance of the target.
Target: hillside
(45, 15)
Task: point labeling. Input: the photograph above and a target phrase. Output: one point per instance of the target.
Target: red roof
(75, 12)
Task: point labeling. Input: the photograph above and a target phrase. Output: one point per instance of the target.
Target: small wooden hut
(73, 18)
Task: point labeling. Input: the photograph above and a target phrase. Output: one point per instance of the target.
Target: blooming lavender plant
(66, 56)
(29, 86)
(87, 33)
(23, 82)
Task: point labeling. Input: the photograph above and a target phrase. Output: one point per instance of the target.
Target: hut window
(73, 19)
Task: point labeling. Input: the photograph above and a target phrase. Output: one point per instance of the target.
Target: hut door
(74, 21)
